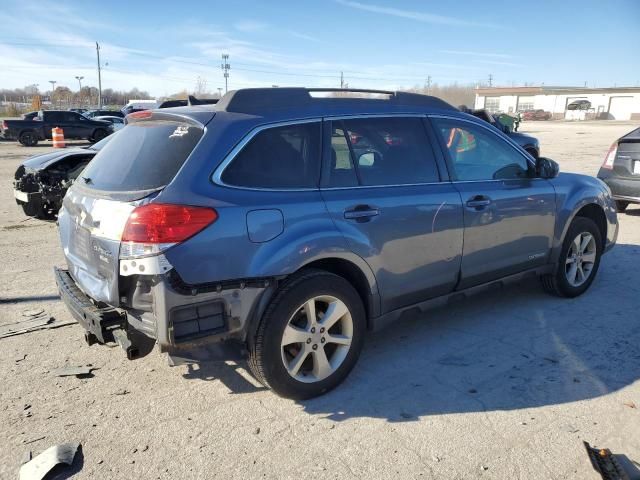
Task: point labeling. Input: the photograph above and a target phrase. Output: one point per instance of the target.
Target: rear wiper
(87, 180)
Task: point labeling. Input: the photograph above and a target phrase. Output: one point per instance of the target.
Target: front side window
(278, 157)
(477, 154)
(381, 151)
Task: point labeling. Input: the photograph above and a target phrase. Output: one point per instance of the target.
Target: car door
(382, 187)
(509, 215)
(79, 125)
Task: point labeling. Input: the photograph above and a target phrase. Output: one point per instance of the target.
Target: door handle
(478, 201)
(361, 212)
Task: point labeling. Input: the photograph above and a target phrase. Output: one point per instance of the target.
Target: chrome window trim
(216, 177)
(517, 148)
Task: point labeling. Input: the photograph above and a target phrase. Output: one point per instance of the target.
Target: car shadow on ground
(514, 348)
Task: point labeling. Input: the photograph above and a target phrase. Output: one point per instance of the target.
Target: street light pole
(53, 89)
(99, 78)
(79, 88)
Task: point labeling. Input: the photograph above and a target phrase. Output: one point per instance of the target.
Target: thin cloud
(506, 64)
(249, 26)
(304, 36)
(476, 54)
(413, 15)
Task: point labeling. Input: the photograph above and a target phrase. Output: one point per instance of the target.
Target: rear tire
(621, 206)
(328, 346)
(579, 260)
(28, 139)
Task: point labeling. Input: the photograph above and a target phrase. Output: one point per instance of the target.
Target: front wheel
(99, 135)
(310, 336)
(579, 260)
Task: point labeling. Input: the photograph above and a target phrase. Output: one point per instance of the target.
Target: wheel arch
(357, 273)
(596, 213)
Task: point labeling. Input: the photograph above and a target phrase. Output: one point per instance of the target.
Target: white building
(622, 103)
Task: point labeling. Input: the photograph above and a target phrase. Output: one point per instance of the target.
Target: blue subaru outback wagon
(291, 222)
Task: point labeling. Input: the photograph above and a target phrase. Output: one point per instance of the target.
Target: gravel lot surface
(502, 386)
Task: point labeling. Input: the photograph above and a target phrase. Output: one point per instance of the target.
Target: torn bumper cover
(162, 310)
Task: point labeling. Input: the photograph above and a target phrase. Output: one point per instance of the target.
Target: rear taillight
(611, 156)
(154, 227)
(141, 114)
(4, 125)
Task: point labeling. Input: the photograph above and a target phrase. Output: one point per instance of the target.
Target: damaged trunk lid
(129, 171)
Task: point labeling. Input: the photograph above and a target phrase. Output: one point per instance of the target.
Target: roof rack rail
(258, 100)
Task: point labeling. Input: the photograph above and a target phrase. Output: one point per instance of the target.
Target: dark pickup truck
(74, 126)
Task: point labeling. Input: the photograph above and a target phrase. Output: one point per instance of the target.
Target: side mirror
(546, 168)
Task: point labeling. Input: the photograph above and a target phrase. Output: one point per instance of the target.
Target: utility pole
(219, 92)
(490, 80)
(99, 77)
(341, 80)
(225, 68)
(429, 85)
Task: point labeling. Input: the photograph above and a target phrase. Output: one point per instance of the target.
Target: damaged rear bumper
(174, 318)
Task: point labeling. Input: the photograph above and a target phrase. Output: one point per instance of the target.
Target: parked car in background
(528, 142)
(116, 122)
(41, 182)
(74, 125)
(579, 105)
(78, 110)
(536, 115)
(621, 170)
(102, 113)
(138, 105)
(258, 222)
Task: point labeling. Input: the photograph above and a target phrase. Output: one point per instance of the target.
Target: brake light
(161, 223)
(141, 114)
(611, 156)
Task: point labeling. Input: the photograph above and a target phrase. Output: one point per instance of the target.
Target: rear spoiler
(191, 100)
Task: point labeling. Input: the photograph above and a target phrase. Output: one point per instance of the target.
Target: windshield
(142, 156)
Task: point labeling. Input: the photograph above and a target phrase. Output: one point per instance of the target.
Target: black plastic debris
(605, 463)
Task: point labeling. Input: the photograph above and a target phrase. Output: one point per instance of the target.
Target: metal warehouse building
(621, 103)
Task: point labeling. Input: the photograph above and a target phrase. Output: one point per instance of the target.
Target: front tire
(579, 260)
(310, 336)
(99, 135)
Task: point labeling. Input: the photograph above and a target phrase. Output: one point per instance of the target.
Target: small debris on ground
(552, 360)
(122, 391)
(37, 468)
(38, 321)
(630, 404)
(257, 431)
(26, 442)
(20, 359)
(33, 313)
(72, 371)
(484, 468)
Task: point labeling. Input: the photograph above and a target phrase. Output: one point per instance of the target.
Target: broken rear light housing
(154, 227)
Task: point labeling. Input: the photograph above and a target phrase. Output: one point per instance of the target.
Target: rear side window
(381, 151)
(142, 156)
(278, 157)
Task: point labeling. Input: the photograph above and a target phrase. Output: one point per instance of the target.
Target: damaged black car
(41, 181)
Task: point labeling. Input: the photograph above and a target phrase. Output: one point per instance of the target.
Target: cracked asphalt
(506, 385)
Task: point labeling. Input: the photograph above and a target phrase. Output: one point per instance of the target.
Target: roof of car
(263, 101)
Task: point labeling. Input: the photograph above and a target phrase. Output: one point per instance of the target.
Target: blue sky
(163, 47)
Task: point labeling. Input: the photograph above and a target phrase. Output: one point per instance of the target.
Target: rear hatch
(130, 170)
(627, 160)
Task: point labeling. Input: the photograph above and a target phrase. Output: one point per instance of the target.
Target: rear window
(142, 156)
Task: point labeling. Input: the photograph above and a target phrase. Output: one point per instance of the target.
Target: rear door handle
(478, 201)
(361, 212)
